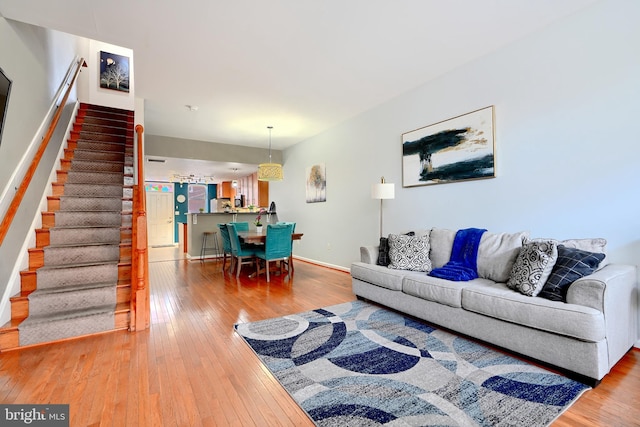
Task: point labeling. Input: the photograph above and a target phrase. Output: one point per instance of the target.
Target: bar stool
(215, 247)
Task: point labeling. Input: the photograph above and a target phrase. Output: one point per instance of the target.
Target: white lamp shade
(383, 191)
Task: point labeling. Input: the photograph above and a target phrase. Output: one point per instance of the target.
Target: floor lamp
(382, 191)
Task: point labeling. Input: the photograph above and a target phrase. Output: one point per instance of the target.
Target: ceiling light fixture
(193, 179)
(270, 171)
(234, 182)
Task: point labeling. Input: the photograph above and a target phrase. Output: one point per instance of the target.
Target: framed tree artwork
(457, 149)
(316, 185)
(114, 71)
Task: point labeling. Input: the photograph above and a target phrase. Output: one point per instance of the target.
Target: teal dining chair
(289, 262)
(241, 254)
(226, 246)
(277, 247)
(241, 226)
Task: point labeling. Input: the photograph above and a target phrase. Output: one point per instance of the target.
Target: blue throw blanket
(463, 264)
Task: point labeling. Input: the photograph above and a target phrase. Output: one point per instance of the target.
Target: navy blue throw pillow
(571, 265)
(383, 252)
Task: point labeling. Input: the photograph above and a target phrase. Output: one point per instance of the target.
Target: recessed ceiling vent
(156, 160)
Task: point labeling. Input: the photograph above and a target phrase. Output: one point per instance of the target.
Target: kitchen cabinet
(225, 191)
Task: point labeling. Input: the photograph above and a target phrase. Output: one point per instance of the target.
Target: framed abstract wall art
(114, 71)
(316, 185)
(458, 149)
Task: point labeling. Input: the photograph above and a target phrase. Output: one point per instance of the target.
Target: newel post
(140, 267)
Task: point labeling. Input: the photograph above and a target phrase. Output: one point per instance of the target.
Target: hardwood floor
(191, 369)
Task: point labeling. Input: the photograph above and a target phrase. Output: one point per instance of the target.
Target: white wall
(567, 101)
(91, 92)
(36, 59)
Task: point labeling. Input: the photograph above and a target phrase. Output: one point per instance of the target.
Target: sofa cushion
(532, 267)
(409, 252)
(496, 253)
(572, 264)
(437, 290)
(596, 245)
(378, 275)
(500, 302)
(441, 243)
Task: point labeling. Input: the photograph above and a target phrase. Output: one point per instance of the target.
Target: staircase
(79, 277)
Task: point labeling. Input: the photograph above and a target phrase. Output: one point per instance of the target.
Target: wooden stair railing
(26, 181)
(140, 304)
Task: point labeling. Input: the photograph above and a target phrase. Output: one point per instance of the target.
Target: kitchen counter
(201, 222)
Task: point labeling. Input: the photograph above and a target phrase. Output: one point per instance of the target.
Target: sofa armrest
(369, 254)
(611, 282)
(612, 290)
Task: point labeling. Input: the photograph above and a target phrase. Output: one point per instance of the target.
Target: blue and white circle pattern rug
(356, 364)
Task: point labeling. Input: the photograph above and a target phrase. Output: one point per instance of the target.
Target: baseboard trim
(323, 264)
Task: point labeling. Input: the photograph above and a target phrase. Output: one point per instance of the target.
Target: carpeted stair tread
(80, 154)
(89, 211)
(74, 254)
(67, 315)
(92, 190)
(86, 165)
(97, 177)
(83, 227)
(49, 277)
(40, 329)
(73, 287)
(101, 145)
(85, 184)
(54, 301)
(97, 196)
(59, 236)
(97, 218)
(105, 129)
(75, 245)
(80, 264)
(97, 203)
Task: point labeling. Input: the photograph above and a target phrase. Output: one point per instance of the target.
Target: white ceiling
(301, 66)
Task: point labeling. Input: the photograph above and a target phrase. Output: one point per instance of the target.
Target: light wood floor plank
(191, 369)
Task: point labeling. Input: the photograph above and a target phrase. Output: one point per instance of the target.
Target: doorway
(161, 220)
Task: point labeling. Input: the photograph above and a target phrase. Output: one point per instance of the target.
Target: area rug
(356, 364)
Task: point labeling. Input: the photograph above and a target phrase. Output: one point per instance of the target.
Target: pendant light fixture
(234, 182)
(270, 171)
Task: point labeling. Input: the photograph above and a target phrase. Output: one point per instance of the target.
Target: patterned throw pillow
(409, 252)
(383, 251)
(532, 267)
(572, 264)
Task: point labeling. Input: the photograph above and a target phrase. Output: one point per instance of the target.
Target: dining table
(253, 236)
(256, 237)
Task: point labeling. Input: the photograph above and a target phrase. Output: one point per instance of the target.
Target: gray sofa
(584, 336)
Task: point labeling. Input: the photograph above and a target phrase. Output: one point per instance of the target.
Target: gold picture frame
(458, 149)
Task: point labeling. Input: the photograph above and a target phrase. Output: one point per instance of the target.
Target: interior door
(160, 218)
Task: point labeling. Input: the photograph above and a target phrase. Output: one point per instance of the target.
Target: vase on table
(258, 229)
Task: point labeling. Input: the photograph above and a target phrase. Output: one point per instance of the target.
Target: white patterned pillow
(409, 252)
(533, 266)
